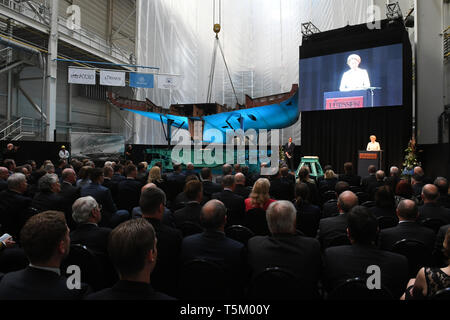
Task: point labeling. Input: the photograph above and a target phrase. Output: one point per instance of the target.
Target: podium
(368, 158)
(336, 100)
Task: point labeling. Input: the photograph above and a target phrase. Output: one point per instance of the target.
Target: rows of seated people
(141, 233)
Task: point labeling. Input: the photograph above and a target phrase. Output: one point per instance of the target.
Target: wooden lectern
(368, 158)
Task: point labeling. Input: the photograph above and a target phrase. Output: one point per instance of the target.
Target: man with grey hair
(393, 178)
(69, 193)
(333, 231)
(235, 204)
(14, 205)
(48, 197)
(227, 169)
(214, 246)
(373, 187)
(286, 248)
(4, 174)
(86, 212)
(430, 208)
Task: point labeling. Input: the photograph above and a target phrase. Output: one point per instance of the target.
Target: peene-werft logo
(73, 18)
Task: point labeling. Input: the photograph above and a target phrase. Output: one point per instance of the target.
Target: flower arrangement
(411, 159)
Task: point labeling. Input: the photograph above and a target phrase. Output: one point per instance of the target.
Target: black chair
(341, 240)
(275, 284)
(369, 204)
(190, 228)
(255, 220)
(89, 264)
(433, 224)
(416, 253)
(328, 195)
(387, 222)
(356, 289)
(443, 294)
(362, 197)
(239, 233)
(355, 189)
(203, 280)
(330, 209)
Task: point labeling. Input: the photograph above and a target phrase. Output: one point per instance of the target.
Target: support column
(52, 70)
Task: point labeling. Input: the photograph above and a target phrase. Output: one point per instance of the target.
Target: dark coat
(406, 230)
(127, 290)
(91, 236)
(235, 206)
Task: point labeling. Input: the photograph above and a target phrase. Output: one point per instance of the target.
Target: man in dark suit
(132, 248)
(407, 228)
(142, 173)
(165, 278)
(289, 152)
(348, 176)
(394, 178)
(366, 181)
(286, 249)
(438, 255)
(308, 215)
(331, 229)
(282, 187)
(87, 215)
(373, 186)
(175, 182)
(430, 208)
(417, 184)
(69, 193)
(45, 239)
(111, 217)
(214, 246)
(118, 173)
(227, 169)
(444, 199)
(346, 262)
(14, 205)
(209, 187)
(330, 208)
(191, 212)
(190, 171)
(4, 174)
(235, 204)
(241, 189)
(48, 197)
(108, 173)
(129, 190)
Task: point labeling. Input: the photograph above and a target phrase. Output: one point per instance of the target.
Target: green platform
(313, 163)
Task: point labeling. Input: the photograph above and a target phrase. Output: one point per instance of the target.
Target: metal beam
(30, 100)
(123, 23)
(52, 72)
(16, 64)
(12, 14)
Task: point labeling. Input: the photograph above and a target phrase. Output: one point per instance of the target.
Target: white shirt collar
(55, 270)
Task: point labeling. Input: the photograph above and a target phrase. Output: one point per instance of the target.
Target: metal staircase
(14, 131)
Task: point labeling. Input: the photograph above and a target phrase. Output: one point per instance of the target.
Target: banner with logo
(141, 80)
(112, 78)
(82, 76)
(168, 82)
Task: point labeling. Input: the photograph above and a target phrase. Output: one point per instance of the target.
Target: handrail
(16, 129)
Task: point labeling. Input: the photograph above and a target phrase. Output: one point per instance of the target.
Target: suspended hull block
(271, 112)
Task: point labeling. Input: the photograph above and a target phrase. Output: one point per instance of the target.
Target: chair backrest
(416, 252)
(387, 222)
(443, 294)
(356, 289)
(362, 197)
(433, 224)
(255, 220)
(341, 240)
(189, 228)
(369, 204)
(275, 283)
(239, 233)
(203, 280)
(328, 195)
(355, 189)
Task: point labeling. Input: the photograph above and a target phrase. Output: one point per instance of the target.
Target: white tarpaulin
(168, 82)
(112, 78)
(82, 76)
(260, 39)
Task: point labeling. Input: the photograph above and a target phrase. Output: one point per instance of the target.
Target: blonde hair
(260, 192)
(329, 174)
(154, 175)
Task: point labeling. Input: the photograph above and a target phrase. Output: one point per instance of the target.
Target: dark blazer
(128, 290)
(438, 246)
(91, 236)
(366, 181)
(191, 212)
(129, 194)
(242, 191)
(44, 201)
(434, 211)
(3, 185)
(352, 180)
(103, 196)
(13, 212)
(69, 194)
(175, 184)
(165, 274)
(346, 262)
(406, 230)
(383, 212)
(235, 206)
(296, 253)
(330, 228)
(282, 189)
(417, 188)
(289, 149)
(372, 189)
(327, 184)
(330, 209)
(116, 178)
(444, 201)
(36, 284)
(308, 218)
(209, 188)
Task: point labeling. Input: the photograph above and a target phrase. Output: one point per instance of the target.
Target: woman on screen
(355, 78)
(373, 144)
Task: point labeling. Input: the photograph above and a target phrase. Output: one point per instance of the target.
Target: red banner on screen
(345, 103)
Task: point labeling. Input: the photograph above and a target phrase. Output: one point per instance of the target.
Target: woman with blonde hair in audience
(429, 281)
(154, 176)
(259, 197)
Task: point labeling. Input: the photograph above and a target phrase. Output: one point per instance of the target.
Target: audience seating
(369, 204)
(239, 233)
(329, 195)
(341, 240)
(434, 224)
(362, 197)
(356, 289)
(416, 252)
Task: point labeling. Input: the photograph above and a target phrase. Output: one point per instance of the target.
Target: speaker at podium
(369, 158)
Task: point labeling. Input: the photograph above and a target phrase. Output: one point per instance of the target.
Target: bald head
(239, 178)
(380, 175)
(430, 193)
(148, 186)
(407, 210)
(214, 215)
(418, 171)
(347, 200)
(69, 175)
(4, 173)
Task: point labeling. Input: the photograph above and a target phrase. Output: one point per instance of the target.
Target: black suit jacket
(129, 194)
(352, 180)
(406, 230)
(235, 206)
(434, 211)
(165, 274)
(69, 195)
(36, 284)
(242, 191)
(209, 188)
(366, 181)
(372, 189)
(444, 201)
(44, 201)
(290, 149)
(345, 262)
(296, 253)
(103, 196)
(128, 290)
(191, 212)
(3, 185)
(282, 189)
(13, 212)
(330, 228)
(308, 218)
(91, 236)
